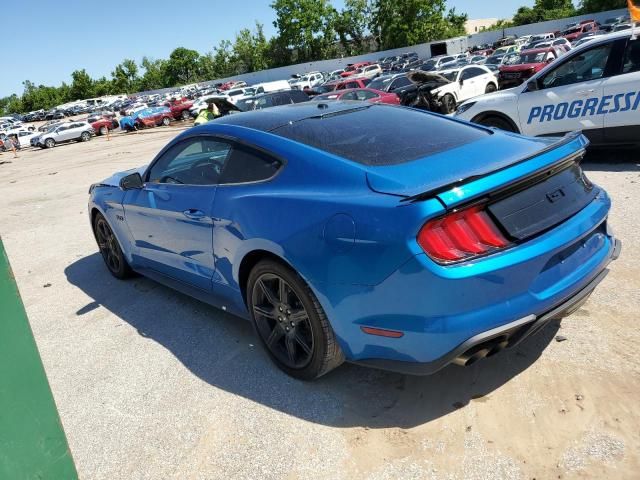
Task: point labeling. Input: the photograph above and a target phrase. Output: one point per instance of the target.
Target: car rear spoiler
(567, 138)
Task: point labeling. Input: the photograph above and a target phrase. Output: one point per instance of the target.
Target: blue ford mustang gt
(380, 235)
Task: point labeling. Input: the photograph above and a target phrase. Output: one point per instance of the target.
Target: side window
(631, 61)
(248, 165)
(400, 82)
(366, 81)
(467, 73)
(589, 65)
(197, 161)
(352, 85)
(365, 95)
(348, 96)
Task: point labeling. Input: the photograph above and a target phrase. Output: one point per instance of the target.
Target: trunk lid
(452, 168)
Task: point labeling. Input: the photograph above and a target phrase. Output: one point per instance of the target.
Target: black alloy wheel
(282, 321)
(290, 322)
(110, 249)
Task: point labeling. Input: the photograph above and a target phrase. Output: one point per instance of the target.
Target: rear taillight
(461, 235)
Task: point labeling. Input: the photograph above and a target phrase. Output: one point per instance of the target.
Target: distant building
(478, 25)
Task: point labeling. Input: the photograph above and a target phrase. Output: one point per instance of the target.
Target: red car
(180, 108)
(352, 67)
(360, 82)
(363, 94)
(584, 27)
(102, 124)
(530, 62)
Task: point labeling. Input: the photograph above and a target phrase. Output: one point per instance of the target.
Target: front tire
(290, 323)
(490, 88)
(166, 121)
(85, 137)
(49, 143)
(497, 122)
(110, 248)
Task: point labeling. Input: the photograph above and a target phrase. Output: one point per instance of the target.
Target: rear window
(381, 135)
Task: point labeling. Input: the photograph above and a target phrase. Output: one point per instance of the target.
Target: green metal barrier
(32, 442)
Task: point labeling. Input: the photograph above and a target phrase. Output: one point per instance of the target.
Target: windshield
(350, 68)
(530, 58)
(494, 60)
(451, 76)
(380, 83)
(429, 64)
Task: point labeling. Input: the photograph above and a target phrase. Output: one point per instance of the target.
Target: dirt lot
(152, 384)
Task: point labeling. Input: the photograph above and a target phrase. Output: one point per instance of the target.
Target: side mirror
(532, 86)
(131, 182)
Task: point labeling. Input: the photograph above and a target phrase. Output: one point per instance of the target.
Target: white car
(308, 80)
(369, 71)
(558, 42)
(593, 88)
(24, 136)
(65, 132)
(436, 63)
(466, 82)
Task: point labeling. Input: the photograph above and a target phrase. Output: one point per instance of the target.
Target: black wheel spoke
(298, 316)
(276, 334)
(291, 349)
(265, 312)
(268, 294)
(282, 291)
(302, 343)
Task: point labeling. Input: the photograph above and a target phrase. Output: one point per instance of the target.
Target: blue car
(380, 235)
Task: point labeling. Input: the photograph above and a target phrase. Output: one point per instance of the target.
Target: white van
(267, 87)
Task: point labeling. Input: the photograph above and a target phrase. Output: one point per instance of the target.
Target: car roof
(539, 50)
(274, 117)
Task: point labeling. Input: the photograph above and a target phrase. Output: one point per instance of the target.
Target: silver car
(66, 132)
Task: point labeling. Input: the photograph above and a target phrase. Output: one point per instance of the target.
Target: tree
(182, 66)
(399, 23)
(250, 50)
(352, 25)
(544, 10)
(154, 74)
(306, 27)
(594, 6)
(81, 85)
(125, 76)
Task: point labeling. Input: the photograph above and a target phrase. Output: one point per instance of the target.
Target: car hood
(521, 67)
(420, 77)
(114, 180)
(452, 167)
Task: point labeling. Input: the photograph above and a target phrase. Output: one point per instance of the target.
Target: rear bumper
(492, 341)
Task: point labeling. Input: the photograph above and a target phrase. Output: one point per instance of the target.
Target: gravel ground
(151, 384)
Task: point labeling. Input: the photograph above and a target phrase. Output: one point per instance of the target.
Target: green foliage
(81, 86)
(352, 24)
(544, 10)
(398, 23)
(594, 6)
(182, 66)
(125, 77)
(306, 27)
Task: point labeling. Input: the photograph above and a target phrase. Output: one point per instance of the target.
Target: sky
(52, 39)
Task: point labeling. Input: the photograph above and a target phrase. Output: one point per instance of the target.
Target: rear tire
(185, 115)
(448, 104)
(290, 322)
(166, 121)
(497, 122)
(103, 130)
(110, 249)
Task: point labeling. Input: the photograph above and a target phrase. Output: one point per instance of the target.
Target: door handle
(193, 214)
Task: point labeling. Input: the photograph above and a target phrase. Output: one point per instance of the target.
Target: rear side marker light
(381, 332)
(461, 235)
